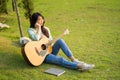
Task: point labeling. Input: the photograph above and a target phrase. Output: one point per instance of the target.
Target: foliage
(3, 6)
(28, 6)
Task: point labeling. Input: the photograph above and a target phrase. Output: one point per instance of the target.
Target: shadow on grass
(13, 59)
(10, 60)
(16, 44)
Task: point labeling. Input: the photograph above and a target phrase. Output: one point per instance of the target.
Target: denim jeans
(54, 59)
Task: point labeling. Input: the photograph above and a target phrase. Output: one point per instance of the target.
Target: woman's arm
(34, 35)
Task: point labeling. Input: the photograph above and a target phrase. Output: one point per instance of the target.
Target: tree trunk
(13, 5)
(18, 17)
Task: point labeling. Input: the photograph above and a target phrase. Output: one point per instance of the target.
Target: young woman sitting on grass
(37, 30)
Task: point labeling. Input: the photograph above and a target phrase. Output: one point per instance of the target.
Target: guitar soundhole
(43, 46)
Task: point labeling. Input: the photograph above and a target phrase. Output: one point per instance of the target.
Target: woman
(37, 30)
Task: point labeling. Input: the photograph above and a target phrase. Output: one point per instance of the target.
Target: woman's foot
(82, 66)
(85, 67)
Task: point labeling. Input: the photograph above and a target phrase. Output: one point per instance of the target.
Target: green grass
(94, 38)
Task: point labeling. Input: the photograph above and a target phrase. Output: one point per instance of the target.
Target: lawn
(94, 38)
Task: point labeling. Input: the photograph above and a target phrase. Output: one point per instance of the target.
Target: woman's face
(40, 20)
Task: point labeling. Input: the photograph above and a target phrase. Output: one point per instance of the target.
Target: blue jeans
(54, 59)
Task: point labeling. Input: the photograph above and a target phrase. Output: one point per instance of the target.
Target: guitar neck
(54, 40)
(61, 35)
(57, 38)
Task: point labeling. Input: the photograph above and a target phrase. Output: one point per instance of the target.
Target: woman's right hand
(37, 25)
(38, 28)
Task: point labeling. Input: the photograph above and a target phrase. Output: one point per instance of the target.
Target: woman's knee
(60, 41)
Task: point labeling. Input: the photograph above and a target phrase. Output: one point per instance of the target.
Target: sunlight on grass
(94, 38)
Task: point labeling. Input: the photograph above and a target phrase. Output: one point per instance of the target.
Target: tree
(3, 6)
(18, 17)
(28, 6)
(13, 5)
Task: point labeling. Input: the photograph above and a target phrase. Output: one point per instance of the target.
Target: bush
(3, 6)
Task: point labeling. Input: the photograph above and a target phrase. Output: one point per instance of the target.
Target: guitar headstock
(66, 32)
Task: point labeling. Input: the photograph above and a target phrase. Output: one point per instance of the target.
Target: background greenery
(94, 38)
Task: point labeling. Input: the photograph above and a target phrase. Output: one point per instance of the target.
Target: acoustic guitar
(35, 52)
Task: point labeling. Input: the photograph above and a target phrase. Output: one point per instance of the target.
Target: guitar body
(34, 53)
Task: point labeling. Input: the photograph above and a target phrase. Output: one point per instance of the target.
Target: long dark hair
(33, 20)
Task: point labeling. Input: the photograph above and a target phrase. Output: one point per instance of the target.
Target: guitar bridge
(41, 53)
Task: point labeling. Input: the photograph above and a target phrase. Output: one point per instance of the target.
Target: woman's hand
(38, 28)
(37, 25)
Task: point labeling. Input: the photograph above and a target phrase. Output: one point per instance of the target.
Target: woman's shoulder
(30, 29)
